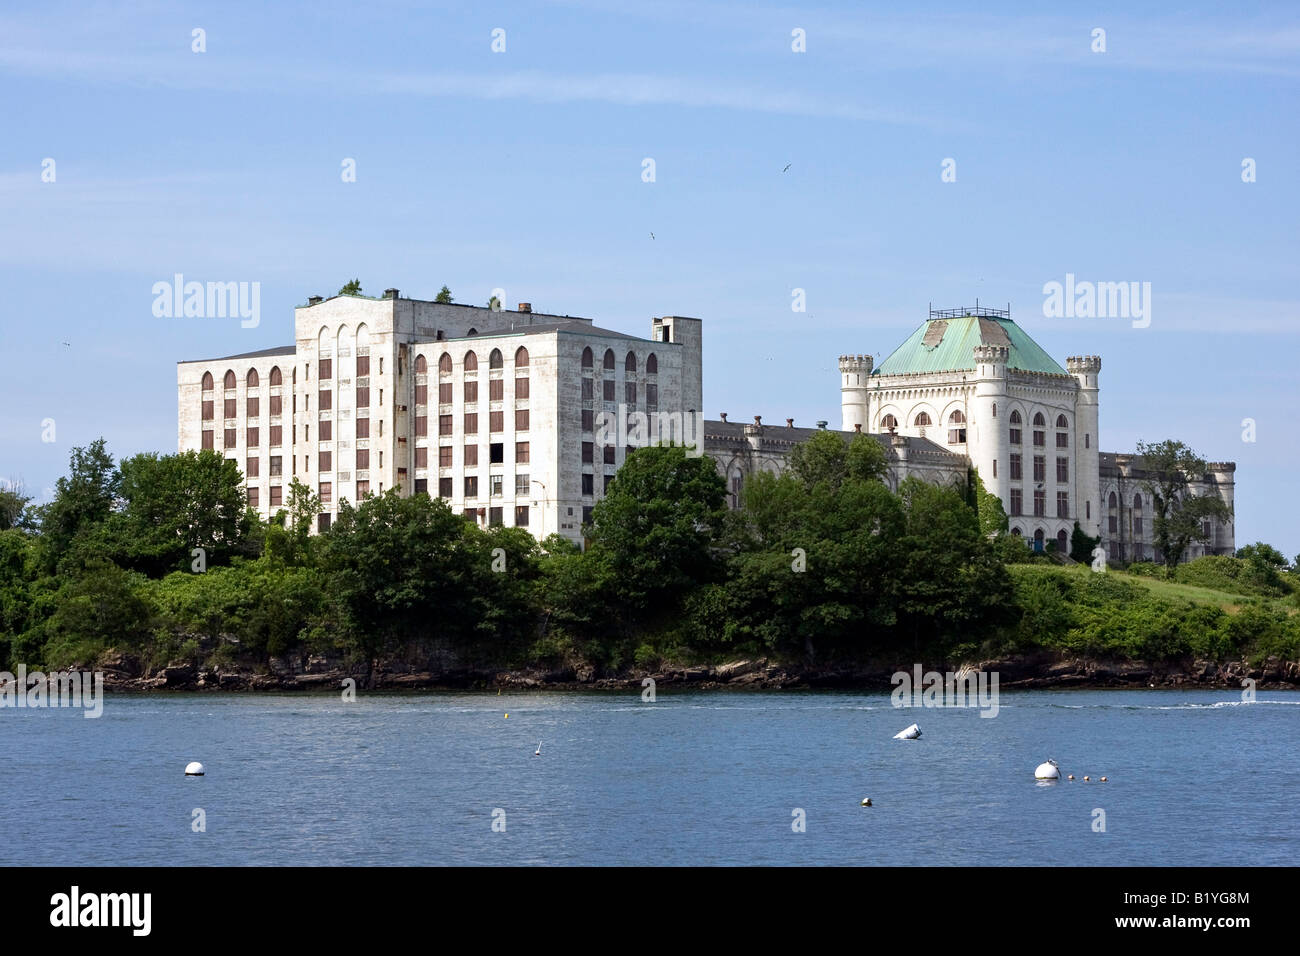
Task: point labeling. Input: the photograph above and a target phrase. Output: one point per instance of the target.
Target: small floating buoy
(910, 733)
(1086, 777)
(866, 801)
(1070, 777)
(1103, 779)
(194, 769)
(1048, 771)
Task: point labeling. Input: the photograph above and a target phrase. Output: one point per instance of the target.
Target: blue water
(1195, 778)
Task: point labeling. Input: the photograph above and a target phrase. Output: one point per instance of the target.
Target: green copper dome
(948, 344)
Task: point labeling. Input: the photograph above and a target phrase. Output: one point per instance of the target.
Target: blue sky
(522, 170)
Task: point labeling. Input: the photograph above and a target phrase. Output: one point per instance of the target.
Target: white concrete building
(494, 411)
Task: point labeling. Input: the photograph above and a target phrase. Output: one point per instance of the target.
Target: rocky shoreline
(1014, 673)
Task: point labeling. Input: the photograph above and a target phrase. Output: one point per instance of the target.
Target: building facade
(495, 411)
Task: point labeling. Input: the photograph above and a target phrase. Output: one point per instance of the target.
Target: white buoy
(911, 733)
(866, 801)
(1047, 771)
(194, 769)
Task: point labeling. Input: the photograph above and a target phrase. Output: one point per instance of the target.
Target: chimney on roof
(758, 419)
(723, 415)
(525, 307)
(390, 293)
(857, 427)
(789, 423)
(822, 425)
(314, 300)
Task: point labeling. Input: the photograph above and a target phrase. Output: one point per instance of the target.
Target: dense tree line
(158, 558)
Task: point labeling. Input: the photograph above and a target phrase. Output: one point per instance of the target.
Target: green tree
(1262, 553)
(1178, 513)
(993, 517)
(444, 296)
(83, 500)
(352, 287)
(1082, 545)
(98, 609)
(494, 303)
(14, 511)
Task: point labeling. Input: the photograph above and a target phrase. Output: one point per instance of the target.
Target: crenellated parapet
(862, 364)
(991, 354)
(1083, 364)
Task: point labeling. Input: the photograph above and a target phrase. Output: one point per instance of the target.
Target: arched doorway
(1062, 542)
(1038, 541)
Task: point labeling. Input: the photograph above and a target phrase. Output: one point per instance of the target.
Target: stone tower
(855, 379)
(1085, 369)
(987, 431)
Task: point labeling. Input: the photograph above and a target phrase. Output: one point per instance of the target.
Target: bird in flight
(652, 235)
(787, 166)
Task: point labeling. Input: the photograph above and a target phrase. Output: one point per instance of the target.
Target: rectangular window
(494, 486)
(588, 420)
(326, 369)
(277, 466)
(229, 408)
(253, 437)
(326, 492)
(1017, 503)
(521, 419)
(1137, 524)
(1062, 439)
(471, 486)
(444, 393)
(207, 439)
(521, 516)
(326, 430)
(1015, 436)
(651, 394)
(1062, 504)
(521, 388)
(471, 456)
(444, 487)
(1040, 468)
(326, 399)
(587, 392)
(629, 393)
(1040, 439)
(1112, 524)
(422, 395)
(521, 452)
(363, 488)
(326, 462)
(363, 366)
(363, 397)
(251, 467)
(277, 436)
(522, 483)
(363, 459)
(496, 390)
(252, 497)
(496, 421)
(207, 411)
(497, 453)
(609, 454)
(586, 514)
(471, 392)
(363, 428)
(277, 496)
(608, 479)
(232, 437)
(1040, 503)
(1016, 466)
(254, 407)
(607, 389)
(1087, 510)
(322, 523)
(588, 452)
(587, 481)
(471, 423)
(1062, 470)
(277, 404)
(494, 518)
(995, 467)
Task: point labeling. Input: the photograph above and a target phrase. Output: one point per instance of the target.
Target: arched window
(422, 363)
(1137, 514)
(889, 422)
(1015, 427)
(629, 364)
(995, 409)
(587, 358)
(1015, 417)
(922, 419)
(229, 381)
(609, 358)
(1061, 422)
(1112, 506)
(1039, 420)
(1040, 430)
(1062, 434)
(207, 381)
(471, 362)
(956, 418)
(1062, 542)
(1017, 532)
(495, 360)
(471, 332)
(252, 378)
(276, 377)
(521, 358)
(1038, 540)
(651, 364)
(957, 433)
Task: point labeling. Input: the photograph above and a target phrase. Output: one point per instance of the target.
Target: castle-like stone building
(503, 414)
